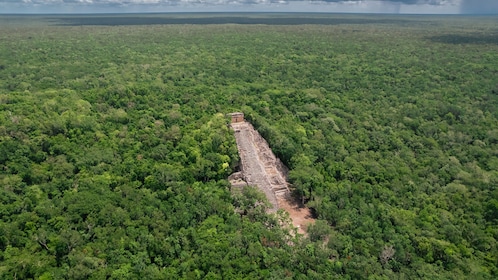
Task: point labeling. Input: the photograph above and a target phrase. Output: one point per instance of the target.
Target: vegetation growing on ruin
(114, 149)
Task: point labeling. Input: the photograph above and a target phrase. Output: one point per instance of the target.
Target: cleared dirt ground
(301, 216)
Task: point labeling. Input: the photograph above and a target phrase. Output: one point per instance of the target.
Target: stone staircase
(259, 166)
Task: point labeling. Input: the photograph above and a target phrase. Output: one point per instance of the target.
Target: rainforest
(115, 147)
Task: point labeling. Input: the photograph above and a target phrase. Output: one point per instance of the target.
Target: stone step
(279, 188)
(281, 193)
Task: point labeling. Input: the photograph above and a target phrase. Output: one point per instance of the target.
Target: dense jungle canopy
(115, 150)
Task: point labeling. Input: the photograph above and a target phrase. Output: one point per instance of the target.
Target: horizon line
(244, 12)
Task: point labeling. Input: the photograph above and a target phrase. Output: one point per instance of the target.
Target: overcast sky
(333, 6)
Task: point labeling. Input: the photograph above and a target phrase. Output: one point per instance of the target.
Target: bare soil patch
(300, 215)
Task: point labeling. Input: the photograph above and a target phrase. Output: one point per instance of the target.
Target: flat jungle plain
(115, 150)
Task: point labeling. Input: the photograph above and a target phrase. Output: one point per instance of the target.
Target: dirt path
(261, 168)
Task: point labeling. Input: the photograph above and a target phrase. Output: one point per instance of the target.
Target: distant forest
(115, 148)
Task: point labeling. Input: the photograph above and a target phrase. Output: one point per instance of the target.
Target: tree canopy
(115, 149)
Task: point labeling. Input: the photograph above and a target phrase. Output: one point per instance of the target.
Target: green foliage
(114, 149)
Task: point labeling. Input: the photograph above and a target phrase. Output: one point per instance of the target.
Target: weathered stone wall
(237, 117)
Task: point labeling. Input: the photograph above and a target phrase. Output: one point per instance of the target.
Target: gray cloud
(126, 2)
(410, 2)
(479, 7)
(388, 6)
